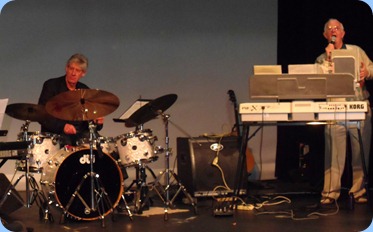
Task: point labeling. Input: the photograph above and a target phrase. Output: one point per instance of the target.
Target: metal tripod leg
(163, 192)
(99, 200)
(9, 191)
(127, 207)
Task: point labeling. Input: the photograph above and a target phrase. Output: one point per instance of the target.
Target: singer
(336, 135)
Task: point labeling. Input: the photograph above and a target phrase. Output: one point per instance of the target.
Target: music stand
(132, 109)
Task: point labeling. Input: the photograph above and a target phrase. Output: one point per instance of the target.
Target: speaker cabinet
(195, 162)
(10, 202)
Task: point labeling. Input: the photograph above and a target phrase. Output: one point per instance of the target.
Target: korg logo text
(357, 106)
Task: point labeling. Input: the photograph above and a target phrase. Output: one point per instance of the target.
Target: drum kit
(86, 181)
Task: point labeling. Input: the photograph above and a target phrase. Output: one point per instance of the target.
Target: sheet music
(3, 104)
(304, 69)
(267, 69)
(133, 108)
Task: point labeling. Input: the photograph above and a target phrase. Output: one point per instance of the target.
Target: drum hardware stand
(164, 192)
(98, 195)
(141, 196)
(36, 196)
(31, 184)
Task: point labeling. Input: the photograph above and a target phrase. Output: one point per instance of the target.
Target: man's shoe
(361, 200)
(327, 201)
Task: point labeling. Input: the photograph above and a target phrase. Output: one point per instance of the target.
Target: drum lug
(143, 138)
(39, 140)
(158, 150)
(153, 139)
(55, 141)
(44, 182)
(123, 142)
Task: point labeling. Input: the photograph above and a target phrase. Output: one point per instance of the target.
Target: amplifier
(207, 166)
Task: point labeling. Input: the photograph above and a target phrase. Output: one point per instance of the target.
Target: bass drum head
(73, 175)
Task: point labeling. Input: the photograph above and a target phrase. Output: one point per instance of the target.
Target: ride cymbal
(82, 104)
(26, 111)
(151, 110)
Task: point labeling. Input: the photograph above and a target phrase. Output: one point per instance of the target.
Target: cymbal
(26, 111)
(151, 110)
(82, 104)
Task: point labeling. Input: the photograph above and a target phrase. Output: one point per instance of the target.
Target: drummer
(72, 132)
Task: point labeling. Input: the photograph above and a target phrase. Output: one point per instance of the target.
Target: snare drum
(136, 147)
(42, 147)
(66, 180)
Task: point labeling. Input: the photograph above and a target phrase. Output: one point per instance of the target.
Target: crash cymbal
(82, 104)
(26, 111)
(151, 110)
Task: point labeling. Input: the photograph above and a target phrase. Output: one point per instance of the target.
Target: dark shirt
(51, 88)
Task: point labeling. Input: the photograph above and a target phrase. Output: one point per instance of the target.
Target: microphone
(332, 41)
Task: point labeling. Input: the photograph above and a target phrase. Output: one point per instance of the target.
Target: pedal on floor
(223, 206)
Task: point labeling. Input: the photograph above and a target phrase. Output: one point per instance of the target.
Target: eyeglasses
(336, 28)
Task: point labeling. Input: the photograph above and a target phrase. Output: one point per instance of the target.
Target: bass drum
(66, 180)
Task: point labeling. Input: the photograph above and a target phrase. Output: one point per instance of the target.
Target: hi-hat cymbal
(26, 111)
(151, 110)
(82, 104)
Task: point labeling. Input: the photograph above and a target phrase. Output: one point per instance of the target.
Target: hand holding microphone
(330, 47)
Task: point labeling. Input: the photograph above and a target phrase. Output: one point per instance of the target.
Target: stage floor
(276, 211)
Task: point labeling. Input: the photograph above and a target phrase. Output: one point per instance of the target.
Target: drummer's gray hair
(80, 59)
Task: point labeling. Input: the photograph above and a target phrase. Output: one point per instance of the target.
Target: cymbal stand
(98, 195)
(164, 192)
(31, 184)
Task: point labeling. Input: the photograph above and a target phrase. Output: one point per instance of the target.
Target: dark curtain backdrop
(300, 41)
